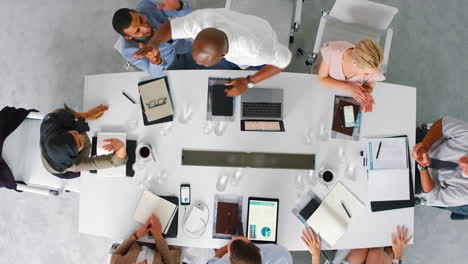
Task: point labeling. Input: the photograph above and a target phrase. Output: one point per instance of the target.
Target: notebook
(226, 218)
(388, 185)
(150, 203)
(156, 100)
(110, 172)
(330, 219)
(393, 153)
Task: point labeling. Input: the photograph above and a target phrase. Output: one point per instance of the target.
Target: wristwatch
(250, 84)
(421, 168)
(396, 261)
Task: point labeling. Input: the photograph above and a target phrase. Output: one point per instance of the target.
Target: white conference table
(107, 205)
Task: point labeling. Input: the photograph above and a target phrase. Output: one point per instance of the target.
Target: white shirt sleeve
(188, 26)
(274, 53)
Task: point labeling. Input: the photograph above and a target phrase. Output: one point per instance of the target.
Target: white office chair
(127, 66)
(279, 13)
(353, 20)
(22, 153)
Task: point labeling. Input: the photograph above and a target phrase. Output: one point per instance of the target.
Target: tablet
(262, 220)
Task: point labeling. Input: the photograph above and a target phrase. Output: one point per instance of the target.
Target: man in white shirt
(442, 159)
(242, 39)
(240, 250)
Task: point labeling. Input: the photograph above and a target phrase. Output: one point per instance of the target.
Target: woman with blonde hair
(352, 68)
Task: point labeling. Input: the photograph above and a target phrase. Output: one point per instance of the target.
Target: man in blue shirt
(136, 27)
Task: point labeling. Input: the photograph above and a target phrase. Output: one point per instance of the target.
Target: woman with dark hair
(66, 148)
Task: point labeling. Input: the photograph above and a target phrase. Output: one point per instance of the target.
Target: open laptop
(262, 110)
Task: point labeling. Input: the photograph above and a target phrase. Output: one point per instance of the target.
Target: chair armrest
(228, 4)
(36, 115)
(320, 30)
(387, 46)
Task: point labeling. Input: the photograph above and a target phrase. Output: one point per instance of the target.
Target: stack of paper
(393, 153)
(331, 219)
(110, 172)
(156, 101)
(150, 203)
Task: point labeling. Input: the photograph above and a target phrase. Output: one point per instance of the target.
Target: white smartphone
(185, 194)
(349, 116)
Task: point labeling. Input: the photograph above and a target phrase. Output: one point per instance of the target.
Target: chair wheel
(308, 63)
(291, 39)
(300, 52)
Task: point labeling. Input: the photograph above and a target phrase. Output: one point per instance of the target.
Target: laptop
(262, 110)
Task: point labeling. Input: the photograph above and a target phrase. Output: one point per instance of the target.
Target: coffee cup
(144, 151)
(327, 176)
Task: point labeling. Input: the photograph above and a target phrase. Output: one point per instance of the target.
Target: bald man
(221, 33)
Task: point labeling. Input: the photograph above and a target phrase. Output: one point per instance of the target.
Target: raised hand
(420, 154)
(312, 241)
(153, 56)
(144, 229)
(96, 112)
(156, 228)
(169, 5)
(400, 240)
(240, 86)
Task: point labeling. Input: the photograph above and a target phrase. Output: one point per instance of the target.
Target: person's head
(209, 47)
(131, 24)
(367, 56)
(463, 163)
(243, 251)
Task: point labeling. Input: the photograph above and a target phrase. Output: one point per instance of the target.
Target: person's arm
(92, 114)
(155, 68)
(400, 240)
(312, 242)
(241, 84)
(434, 133)
(427, 182)
(162, 34)
(123, 248)
(161, 244)
(85, 162)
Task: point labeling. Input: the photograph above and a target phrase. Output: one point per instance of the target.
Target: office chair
(279, 13)
(353, 20)
(127, 66)
(22, 153)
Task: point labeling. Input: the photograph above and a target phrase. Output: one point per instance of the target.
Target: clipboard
(158, 121)
(131, 152)
(378, 206)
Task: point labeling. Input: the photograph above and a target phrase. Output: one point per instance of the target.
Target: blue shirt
(168, 50)
(271, 254)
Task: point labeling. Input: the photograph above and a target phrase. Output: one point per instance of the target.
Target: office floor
(48, 46)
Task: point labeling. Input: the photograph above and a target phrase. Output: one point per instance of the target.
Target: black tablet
(262, 220)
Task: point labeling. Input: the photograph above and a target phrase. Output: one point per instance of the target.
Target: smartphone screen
(349, 116)
(185, 194)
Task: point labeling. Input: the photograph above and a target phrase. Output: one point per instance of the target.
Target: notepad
(150, 203)
(388, 185)
(115, 171)
(392, 155)
(330, 219)
(156, 100)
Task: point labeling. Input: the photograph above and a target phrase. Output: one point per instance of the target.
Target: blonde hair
(367, 54)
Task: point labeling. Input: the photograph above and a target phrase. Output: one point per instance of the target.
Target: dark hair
(122, 19)
(242, 252)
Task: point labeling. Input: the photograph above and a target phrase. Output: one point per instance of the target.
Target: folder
(147, 121)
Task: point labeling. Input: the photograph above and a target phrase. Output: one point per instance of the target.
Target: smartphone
(349, 116)
(185, 194)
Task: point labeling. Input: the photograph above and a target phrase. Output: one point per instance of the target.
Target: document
(331, 219)
(110, 172)
(392, 154)
(156, 100)
(388, 185)
(150, 203)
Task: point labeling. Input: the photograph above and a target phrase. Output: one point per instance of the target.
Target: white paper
(330, 219)
(151, 203)
(388, 185)
(120, 171)
(393, 153)
(153, 95)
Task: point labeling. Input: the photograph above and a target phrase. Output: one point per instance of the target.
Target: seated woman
(388, 255)
(352, 68)
(65, 145)
(129, 252)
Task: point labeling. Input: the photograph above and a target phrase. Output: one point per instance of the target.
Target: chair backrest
(23, 155)
(118, 45)
(364, 12)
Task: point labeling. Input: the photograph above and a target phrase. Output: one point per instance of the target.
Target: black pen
(346, 209)
(378, 149)
(128, 97)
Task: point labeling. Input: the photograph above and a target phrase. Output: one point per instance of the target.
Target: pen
(378, 149)
(346, 209)
(128, 97)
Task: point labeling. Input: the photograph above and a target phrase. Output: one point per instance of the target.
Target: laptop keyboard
(261, 110)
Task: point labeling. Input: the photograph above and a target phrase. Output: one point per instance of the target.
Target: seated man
(241, 251)
(66, 147)
(442, 159)
(400, 240)
(352, 68)
(136, 27)
(129, 252)
(221, 33)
